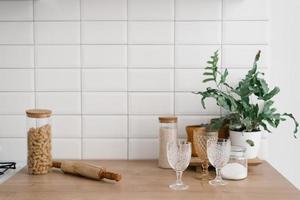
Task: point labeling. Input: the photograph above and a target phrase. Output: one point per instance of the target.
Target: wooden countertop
(143, 180)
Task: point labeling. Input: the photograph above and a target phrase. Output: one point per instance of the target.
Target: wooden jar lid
(169, 119)
(38, 113)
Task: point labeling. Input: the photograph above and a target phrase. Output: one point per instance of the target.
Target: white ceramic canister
(167, 133)
(249, 140)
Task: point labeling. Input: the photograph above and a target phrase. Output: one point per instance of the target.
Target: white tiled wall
(109, 68)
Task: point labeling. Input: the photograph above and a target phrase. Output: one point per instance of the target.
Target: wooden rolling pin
(86, 170)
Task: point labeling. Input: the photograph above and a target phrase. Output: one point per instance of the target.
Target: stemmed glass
(179, 156)
(201, 150)
(218, 152)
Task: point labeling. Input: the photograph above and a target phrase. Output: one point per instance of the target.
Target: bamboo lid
(38, 113)
(169, 119)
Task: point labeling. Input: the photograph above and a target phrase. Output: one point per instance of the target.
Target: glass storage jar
(39, 158)
(237, 167)
(167, 133)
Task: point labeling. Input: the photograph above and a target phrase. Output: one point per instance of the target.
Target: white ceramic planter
(240, 139)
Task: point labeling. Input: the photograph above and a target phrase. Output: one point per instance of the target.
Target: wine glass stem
(205, 167)
(218, 175)
(178, 177)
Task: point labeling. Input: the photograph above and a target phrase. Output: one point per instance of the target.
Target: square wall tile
(15, 154)
(184, 121)
(194, 56)
(241, 32)
(104, 79)
(57, 10)
(246, 10)
(188, 103)
(158, 56)
(58, 56)
(60, 102)
(143, 127)
(16, 33)
(15, 10)
(16, 56)
(141, 149)
(190, 80)
(16, 79)
(66, 148)
(16, 102)
(105, 126)
(151, 10)
(105, 149)
(57, 32)
(201, 32)
(58, 80)
(242, 56)
(104, 103)
(104, 9)
(198, 10)
(104, 55)
(151, 32)
(67, 126)
(105, 32)
(151, 103)
(150, 80)
(13, 126)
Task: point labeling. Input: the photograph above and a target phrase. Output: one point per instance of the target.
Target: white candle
(234, 171)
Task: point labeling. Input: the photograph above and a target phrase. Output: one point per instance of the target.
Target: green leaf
(271, 94)
(264, 86)
(207, 80)
(265, 126)
(224, 76)
(257, 56)
(208, 73)
(295, 122)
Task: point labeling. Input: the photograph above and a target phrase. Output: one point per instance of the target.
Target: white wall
(109, 68)
(285, 41)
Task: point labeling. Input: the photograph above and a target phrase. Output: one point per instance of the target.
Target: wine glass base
(176, 186)
(217, 182)
(204, 177)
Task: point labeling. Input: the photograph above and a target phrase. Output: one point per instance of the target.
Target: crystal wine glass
(218, 152)
(201, 150)
(179, 156)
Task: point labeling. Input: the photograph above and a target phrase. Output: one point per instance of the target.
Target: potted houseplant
(249, 105)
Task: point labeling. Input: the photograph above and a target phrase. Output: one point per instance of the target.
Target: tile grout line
(222, 39)
(34, 56)
(174, 57)
(135, 44)
(81, 95)
(127, 75)
(141, 20)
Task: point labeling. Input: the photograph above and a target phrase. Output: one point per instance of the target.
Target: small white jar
(167, 133)
(237, 167)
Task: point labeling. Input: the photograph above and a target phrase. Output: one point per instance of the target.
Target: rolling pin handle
(56, 164)
(110, 176)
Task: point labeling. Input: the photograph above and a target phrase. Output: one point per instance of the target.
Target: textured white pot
(240, 139)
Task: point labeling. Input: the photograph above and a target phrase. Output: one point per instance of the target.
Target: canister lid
(238, 151)
(38, 113)
(169, 119)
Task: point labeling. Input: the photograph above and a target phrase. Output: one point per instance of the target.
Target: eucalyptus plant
(249, 104)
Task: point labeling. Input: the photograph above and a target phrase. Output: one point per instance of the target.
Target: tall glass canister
(167, 133)
(39, 158)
